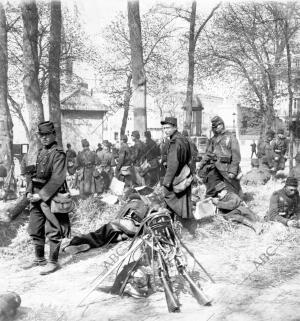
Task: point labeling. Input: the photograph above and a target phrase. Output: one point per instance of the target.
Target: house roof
(83, 99)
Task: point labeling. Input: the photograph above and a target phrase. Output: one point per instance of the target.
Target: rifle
(171, 298)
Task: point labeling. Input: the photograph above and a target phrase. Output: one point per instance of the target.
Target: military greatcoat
(178, 155)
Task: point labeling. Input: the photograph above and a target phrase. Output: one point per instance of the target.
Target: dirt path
(272, 292)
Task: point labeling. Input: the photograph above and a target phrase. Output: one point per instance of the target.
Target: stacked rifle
(158, 244)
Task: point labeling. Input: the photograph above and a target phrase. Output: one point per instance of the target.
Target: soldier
(152, 152)
(279, 147)
(193, 148)
(138, 157)
(123, 169)
(285, 204)
(225, 149)
(234, 209)
(104, 168)
(70, 153)
(49, 179)
(178, 155)
(265, 152)
(253, 149)
(85, 166)
(257, 175)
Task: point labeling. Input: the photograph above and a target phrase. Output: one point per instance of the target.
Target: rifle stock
(172, 301)
(198, 294)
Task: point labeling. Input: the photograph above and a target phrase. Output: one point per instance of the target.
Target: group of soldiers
(219, 170)
(137, 165)
(272, 150)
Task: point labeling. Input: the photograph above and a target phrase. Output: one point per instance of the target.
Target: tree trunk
(290, 91)
(30, 79)
(126, 103)
(137, 67)
(6, 134)
(190, 85)
(54, 68)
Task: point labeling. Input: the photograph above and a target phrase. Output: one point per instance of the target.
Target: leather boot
(39, 259)
(52, 265)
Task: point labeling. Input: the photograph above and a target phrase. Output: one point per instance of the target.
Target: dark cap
(291, 181)
(46, 127)
(216, 120)
(124, 138)
(220, 186)
(147, 134)
(135, 134)
(280, 131)
(185, 133)
(106, 143)
(169, 120)
(85, 143)
(270, 133)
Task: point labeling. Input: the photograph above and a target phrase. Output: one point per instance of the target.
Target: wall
(77, 125)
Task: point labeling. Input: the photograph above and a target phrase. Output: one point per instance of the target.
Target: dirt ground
(257, 277)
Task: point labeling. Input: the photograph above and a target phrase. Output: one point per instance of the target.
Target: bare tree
(247, 42)
(138, 72)
(31, 70)
(54, 67)
(6, 134)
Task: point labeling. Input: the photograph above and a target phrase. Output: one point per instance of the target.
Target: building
(82, 116)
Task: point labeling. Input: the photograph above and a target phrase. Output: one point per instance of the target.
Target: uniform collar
(50, 145)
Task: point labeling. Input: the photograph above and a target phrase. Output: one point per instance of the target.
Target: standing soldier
(71, 169)
(225, 150)
(137, 156)
(178, 155)
(49, 179)
(279, 148)
(123, 169)
(70, 153)
(85, 165)
(152, 152)
(104, 169)
(265, 152)
(253, 149)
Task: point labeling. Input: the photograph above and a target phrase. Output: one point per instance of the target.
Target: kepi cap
(46, 127)
(169, 120)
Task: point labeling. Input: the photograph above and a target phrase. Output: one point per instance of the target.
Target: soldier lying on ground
(234, 209)
(125, 226)
(285, 204)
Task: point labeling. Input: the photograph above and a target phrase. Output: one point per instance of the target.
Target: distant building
(82, 117)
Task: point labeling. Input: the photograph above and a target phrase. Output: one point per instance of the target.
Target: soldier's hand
(231, 176)
(215, 200)
(35, 198)
(292, 223)
(29, 196)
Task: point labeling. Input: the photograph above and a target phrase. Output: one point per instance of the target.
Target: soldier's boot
(39, 259)
(52, 264)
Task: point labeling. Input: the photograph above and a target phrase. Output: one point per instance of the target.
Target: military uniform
(226, 148)
(49, 179)
(279, 148)
(178, 155)
(123, 169)
(138, 156)
(105, 162)
(85, 165)
(284, 208)
(152, 152)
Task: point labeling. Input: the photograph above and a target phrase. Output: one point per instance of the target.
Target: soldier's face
(169, 129)
(47, 139)
(290, 190)
(218, 129)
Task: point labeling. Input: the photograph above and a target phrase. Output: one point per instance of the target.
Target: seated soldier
(285, 204)
(125, 226)
(234, 209)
